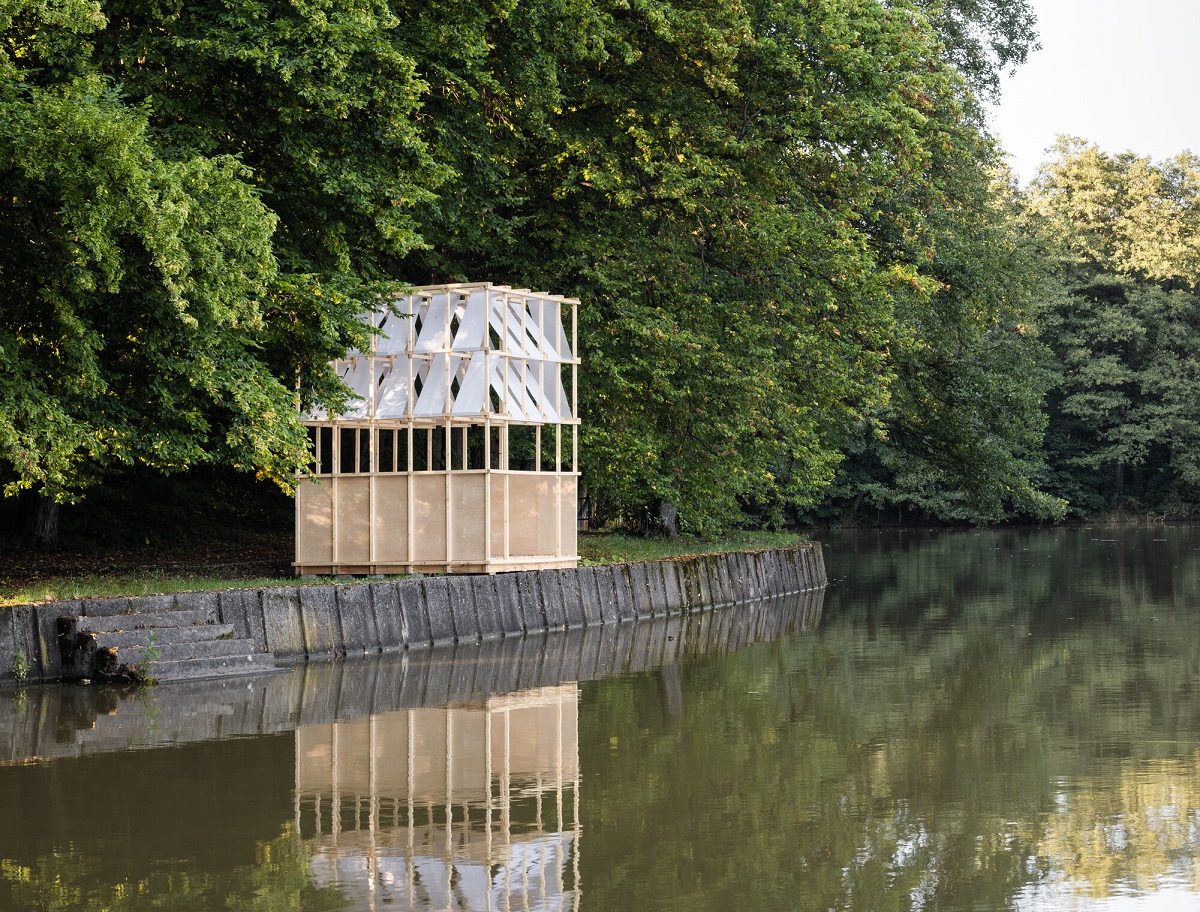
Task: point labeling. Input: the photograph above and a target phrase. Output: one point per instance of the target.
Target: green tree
(753, 200)
(961, 437)
(1125, 418)
(195, 200)
(984, 39)
(712, 180)
(131, 278)
(319, 101)
(1123, 213)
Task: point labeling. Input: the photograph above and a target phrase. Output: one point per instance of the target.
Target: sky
(1124, 74)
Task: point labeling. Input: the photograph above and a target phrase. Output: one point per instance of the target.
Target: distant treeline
(1072, 387)
(811, 289)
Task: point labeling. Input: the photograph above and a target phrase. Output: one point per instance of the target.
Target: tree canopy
(131, 277)
(1125, 417)
(808, 282)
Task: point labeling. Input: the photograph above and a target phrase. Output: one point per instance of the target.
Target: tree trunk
(854, 508)
(39, 522)
(668, 515)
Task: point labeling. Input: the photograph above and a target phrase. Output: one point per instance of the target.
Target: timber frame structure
(460, 453)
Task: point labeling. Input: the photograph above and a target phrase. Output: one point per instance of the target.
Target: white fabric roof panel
(472, 315)
(438, 336)
(434, 322)
(391, 397)
(357, 375)
(436, 380)
(396, 330)
(471, 398)
(534, 325)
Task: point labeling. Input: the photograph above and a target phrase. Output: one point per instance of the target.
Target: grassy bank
(57, 589)
(619, 549)
(137, 573)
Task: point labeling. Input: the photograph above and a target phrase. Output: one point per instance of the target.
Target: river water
(966, 720)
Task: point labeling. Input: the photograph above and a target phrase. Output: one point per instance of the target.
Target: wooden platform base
(495, 566)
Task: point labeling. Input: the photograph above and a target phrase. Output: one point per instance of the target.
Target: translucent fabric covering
(464, 351)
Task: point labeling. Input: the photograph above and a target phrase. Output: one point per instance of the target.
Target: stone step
(186, 645)
(117, 622)
(213, 667)
(136, 654)
(163, 636)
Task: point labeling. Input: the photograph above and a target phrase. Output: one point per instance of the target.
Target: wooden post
(410, 347)
(409, 508)
(372, 454)
(524, 356)
(556, 366)
(485, 412)
(504, 462)
(558, 547)
(487, 495)
(575, 361)
(506, 361)
(448, 451)
(335, 440)
(298, 525)
(448, 461)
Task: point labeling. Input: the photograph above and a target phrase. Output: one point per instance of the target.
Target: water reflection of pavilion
(469, 807)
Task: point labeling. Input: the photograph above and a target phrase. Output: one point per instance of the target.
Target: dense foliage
(195, 200)
(961, 436)
(131, 275)
(1125, 417)
(809, 284)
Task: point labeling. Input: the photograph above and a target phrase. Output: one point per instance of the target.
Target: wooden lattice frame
(464, 439)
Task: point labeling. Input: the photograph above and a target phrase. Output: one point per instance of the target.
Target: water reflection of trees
(1134, 830)
(973, 706)
(73, 881)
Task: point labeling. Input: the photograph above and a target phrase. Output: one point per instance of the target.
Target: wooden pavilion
(460, 452)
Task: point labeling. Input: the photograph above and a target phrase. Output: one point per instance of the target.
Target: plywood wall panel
(429, 518)
(354, 520)
(498, 516)
(523, 515)
(314, 502)
(547, 520)
(570, 524)
(467, 511)
(391, 519)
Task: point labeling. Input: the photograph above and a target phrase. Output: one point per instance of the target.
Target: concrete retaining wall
(54, 722)
(302, 622)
